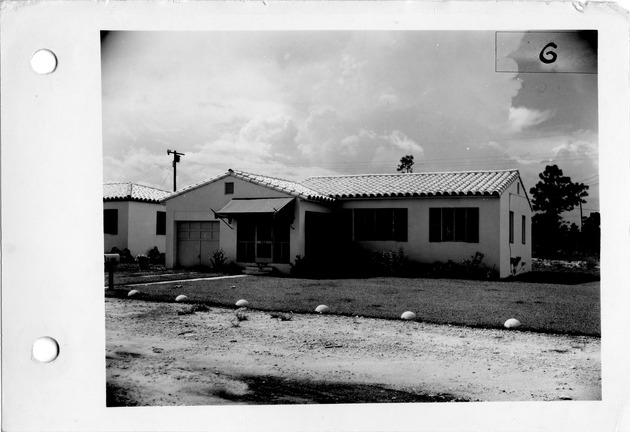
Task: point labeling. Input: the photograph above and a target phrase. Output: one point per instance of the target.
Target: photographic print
(350, 216)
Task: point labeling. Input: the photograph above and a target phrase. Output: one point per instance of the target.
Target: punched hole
(45, 349)
(44, 61)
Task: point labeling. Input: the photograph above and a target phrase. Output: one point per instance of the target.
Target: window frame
(447, 223)
(524, 229)
(380, 224)
(229, 188)
(511, 227)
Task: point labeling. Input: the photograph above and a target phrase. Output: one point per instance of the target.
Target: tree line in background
(552, 236)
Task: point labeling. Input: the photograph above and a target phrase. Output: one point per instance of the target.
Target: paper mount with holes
(51, 184)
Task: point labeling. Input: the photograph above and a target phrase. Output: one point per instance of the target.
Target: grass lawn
(541, 307)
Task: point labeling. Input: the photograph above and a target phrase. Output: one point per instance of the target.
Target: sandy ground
(156, 356)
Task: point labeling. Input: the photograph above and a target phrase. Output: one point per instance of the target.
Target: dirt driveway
(156, 356)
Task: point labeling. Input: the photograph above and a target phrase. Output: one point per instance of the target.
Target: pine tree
(406, 164)
(553, 195)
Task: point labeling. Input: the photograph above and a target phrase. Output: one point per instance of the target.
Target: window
(110, 221)
(454, 224)
(523, 225)
(518, 188)
(380, 224)
(229, 188)
(160, 225)
(511, 227)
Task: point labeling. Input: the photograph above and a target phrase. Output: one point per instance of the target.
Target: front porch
(263, 232)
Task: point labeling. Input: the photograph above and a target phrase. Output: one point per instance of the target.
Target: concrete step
(255, 273)
(258, 270)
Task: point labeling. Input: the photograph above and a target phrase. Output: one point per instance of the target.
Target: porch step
(258, 270)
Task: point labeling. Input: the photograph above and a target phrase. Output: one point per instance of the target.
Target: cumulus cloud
(350, 70)
(137, 164)
(292, 104)
(326, 139)
(388, 99)
(521, 118)
(399, 140)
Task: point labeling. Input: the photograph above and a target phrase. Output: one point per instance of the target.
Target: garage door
(196, 241)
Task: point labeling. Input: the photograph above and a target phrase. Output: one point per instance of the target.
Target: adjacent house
(432, 216)
(133, 217)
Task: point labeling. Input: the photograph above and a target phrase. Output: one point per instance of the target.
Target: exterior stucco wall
(142, 226)
(120, 240)
(515, 199)
(418, 248)
(198, 205)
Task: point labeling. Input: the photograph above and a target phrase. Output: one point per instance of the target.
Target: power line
(436, 162)
(145, 175)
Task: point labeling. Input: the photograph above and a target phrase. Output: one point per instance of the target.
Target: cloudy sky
(302, 103)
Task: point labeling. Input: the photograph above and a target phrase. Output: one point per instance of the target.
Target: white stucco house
(133, 217)
(432, 216)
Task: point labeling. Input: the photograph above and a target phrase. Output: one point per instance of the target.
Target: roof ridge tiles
(415, 173)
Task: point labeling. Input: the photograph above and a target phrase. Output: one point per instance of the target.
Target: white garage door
(196, 241)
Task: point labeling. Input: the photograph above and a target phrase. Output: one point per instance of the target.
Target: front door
(318, 237)
(264, 240)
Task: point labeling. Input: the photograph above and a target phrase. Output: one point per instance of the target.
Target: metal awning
(253, 206)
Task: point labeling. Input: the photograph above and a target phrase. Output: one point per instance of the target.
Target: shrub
(388, 263)
(125, 255)
(156, 257)
(218, 261)
(143, 262)
(474, 268)
(469, 268)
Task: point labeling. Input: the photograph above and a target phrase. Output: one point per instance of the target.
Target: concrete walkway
(184, 280)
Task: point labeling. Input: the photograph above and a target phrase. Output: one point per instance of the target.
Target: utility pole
(175, 160)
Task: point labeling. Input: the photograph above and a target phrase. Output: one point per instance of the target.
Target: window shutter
(472, 225)
(160, 225)
(435, 224)
(110, 221)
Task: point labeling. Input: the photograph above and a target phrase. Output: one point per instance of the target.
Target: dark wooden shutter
(110, 221)
(472, 225)
(435, 224)
(160, 226)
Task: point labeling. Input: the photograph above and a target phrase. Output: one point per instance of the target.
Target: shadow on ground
(556, 277)
(275, 390)
(268, 390)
